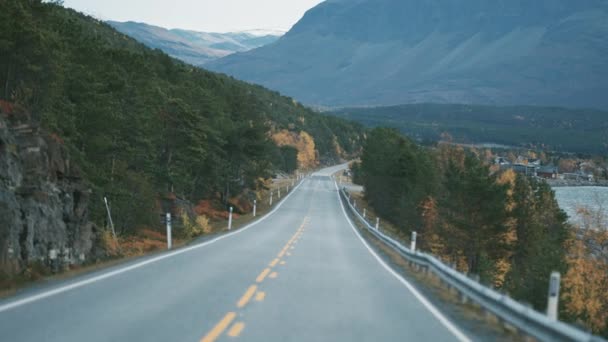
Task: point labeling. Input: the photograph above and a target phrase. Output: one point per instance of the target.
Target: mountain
(546, 128)
(383, 52)
(194, 47)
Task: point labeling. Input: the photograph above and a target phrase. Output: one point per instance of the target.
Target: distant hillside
(196, 48)
(550, 128)
(389, 52)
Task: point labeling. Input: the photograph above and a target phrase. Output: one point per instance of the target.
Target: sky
(200, 15)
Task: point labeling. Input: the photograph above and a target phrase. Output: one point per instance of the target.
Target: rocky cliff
(43, 199)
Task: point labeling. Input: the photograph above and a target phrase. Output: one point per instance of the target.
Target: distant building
(501, 161)
(547, 172)
(528, 170)
(579, 176)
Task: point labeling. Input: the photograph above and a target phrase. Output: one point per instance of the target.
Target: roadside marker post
(230, 220)
(364, 212)
(169, 238)
(255, 204)
(377, 223)
(413, 242)
(270, 202)
(279, 192)
(553, 300)
(105, 199)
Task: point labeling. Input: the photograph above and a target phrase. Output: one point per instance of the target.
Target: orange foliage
(206, 208)
(303, 142)
(337, 147)
(503, 265)
(586, 284)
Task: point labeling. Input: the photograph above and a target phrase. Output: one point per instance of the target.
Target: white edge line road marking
(446, 322)
(46, 294)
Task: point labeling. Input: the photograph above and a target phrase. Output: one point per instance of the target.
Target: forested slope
(547, 128)
(139, 125)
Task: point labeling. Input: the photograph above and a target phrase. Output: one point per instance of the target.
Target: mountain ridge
(195, 47)
(390, 52)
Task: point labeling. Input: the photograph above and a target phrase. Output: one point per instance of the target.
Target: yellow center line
(274, 262)
(236, 329)
(247, 296)
(273, 275)
(282, 262)
(260, 296)
(219, 328)
(262, 275)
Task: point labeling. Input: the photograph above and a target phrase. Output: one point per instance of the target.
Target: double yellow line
(238, 327)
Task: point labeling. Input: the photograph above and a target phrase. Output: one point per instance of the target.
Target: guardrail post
(255, 205)
(413, 243)
(168, 222)
(230, 219)
(364, 212)
(377, 223)
(270, 201)
(553, 301)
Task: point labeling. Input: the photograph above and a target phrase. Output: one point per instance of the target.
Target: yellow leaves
(337, 146)
(503, 266)
(111, 245)
(307, 155)
(508, 177)
(586, 282)
(303, 142)
(203, 224)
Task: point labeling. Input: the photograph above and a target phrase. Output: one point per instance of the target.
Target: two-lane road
(302, 273)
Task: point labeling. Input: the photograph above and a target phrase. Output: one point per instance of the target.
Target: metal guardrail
(523, 318)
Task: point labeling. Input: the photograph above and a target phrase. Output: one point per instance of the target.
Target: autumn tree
(540, 233)
(585, 285)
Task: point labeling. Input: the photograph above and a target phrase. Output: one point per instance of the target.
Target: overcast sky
(200, 15)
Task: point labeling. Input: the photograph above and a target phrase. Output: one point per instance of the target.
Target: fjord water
(570, 199)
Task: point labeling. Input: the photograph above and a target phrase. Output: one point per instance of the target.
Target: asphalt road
(300, 274)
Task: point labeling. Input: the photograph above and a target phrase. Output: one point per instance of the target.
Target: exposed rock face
(43, 200)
